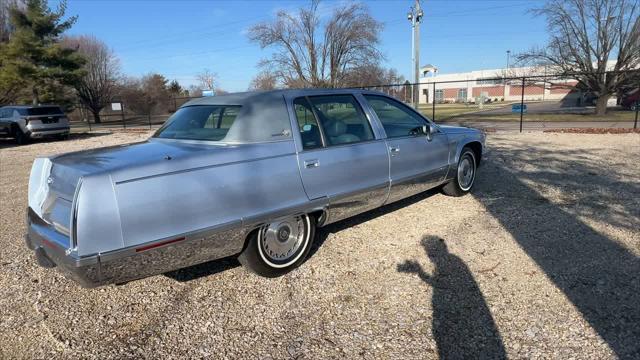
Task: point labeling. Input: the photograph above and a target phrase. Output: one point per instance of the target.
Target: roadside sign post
(522, 104)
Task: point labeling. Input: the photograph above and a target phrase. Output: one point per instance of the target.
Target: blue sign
(517, 108)
(208, 93)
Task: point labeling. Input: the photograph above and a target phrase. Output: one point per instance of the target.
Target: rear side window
(396, 118)
(340, 118)
(43, 110)
(203, 122)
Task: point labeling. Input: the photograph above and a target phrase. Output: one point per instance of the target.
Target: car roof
(241, 98)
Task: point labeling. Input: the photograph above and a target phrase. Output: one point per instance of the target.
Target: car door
(341, 158)
(417, 162)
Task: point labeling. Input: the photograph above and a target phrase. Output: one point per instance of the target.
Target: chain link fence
(516, 103)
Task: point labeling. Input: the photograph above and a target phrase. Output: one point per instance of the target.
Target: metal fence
(516, 103)
(81, 119)
(490, 103)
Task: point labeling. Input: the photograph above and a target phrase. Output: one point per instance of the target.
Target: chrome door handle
(394, 150)
(309, 164)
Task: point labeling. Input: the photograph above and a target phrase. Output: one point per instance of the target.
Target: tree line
(39, 64)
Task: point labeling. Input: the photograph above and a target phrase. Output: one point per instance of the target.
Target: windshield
(203, 122)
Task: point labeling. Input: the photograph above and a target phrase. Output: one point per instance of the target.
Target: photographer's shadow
(462, 323)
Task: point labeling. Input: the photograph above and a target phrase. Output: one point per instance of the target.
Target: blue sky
(181, 38)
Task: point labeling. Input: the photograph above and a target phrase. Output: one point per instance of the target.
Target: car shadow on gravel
(216, 266)
(597, 274)
(462, 325)
(203, 270)
(323, 233)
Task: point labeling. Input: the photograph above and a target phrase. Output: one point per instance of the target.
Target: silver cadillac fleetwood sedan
(248, 174)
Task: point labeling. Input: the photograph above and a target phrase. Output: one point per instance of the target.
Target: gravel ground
(541, 261)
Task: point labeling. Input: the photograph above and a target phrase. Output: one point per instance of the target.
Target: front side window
(342, 119)
(396, 118)
(202, 122)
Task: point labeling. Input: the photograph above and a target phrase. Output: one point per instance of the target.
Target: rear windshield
(203, 122)
(43, 110)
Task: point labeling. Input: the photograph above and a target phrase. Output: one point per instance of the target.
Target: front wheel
(280, 246)
(465, 175)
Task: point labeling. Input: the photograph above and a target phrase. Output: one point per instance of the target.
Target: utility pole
(508, 55)
(415, 16)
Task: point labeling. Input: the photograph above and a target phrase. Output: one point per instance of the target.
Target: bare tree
(207, 79)
(584, 36)
(302, 58)
(264, 81)
(147, 95)
(194, 91)
(98, 87)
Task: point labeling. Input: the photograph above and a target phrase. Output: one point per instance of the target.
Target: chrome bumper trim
(136, 262)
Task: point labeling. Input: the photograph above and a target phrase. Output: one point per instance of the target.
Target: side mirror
(429, 130)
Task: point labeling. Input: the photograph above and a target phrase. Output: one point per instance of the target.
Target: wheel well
(320, 216)
(14, 129)
(476, 147)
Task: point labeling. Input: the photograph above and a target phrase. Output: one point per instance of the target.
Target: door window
(342, 119)
(337, 118)
(397, 119)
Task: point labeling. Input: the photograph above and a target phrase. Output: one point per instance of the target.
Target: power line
(463, 12)
(206, 52)
(179, 37)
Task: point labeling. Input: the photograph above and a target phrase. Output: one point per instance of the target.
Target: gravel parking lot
(541, 261)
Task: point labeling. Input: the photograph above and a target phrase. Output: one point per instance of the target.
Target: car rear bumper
(131, 263)
(48, 131)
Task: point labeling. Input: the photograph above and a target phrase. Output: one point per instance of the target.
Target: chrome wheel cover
(282, 242)
(466, 171)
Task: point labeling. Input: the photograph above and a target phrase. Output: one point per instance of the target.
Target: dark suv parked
(30, 122)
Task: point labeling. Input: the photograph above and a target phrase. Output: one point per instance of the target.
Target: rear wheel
(279, 246)
(21, 138)
(465, 174)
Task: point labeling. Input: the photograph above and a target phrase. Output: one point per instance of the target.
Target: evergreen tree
(34, 56)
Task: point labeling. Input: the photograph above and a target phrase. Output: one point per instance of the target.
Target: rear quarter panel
(162, 206)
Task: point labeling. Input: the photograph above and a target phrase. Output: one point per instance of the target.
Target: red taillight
(162, 243)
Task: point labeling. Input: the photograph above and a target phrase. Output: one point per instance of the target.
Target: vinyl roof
(240, 98)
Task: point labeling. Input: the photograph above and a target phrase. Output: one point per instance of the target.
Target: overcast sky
(181, 38)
